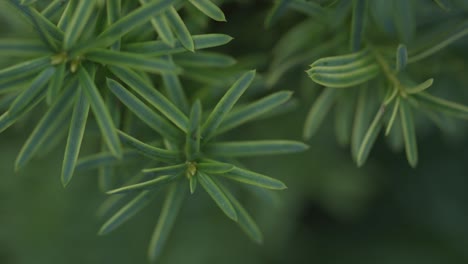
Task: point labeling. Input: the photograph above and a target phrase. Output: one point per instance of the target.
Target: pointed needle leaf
(217, 195)
(209, 9)
(102, 115)
(245, 221)
(442, 105)
(192, 142)
(153, 96)
(170, 209)
(57, 112)
(253, 110)
(75, 137)
(253, 178)
(126, 212)
(180, 29)
(146, 114)
(158, 47)
(226, 103)
(409, 133)
(148, 150)
(318, 111)
(214, 167)
(255, 148)
(78, 22)
(37, 86)
(151, 184)
(370, 137)
(131, 60)
(168, 170)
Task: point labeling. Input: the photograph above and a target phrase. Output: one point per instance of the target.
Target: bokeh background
(332, 212)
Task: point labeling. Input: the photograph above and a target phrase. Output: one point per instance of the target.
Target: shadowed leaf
(102, 115)
(217, 195)
(226, 103)
(75, 137)
(409, 133)
(170, 209)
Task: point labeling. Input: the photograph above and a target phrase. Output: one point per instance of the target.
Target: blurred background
(332, 212)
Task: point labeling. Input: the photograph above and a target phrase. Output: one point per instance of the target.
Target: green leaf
(78, 22)
(158, 47)
(318, 111)
(409, 133)
(358, 23)
(438, 44)
(344, 114)
(27, 96)
(102, 159)
(311, 9)
(442, 105)
(192, 145)
(67, 14)
(102, 115)
(255, 148)
(180, 29)
(420, 87)
(348, 79)
(370, 137)
(362, 119)
(360, 63)
(245, 221)
(341, 59)
(151, 184)
(253, 110)
(153, 96)
(148, 150)
(391, 121)
(53, 9)
(170, 209)
(56, 83)
(22, 47)
(278, 9)
(193, 181)
(114, 203)
(126, 212)
(174, 90)
(146, 114)
(114, 12)
(125, 24)
(28, 2)
(8, 119)
(131, 60)
(208, 8)
(204, 59)
(106, 174)
(15, 86)
(401, 57)
(217, 195)
(47, 31)
(163, 28)
(75, 137)
(169, 170)
(23, 69)
(253, 178)
(214, 167)
(57, 112)
(226, 103)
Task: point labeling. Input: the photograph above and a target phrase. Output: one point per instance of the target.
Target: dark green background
(331, 212)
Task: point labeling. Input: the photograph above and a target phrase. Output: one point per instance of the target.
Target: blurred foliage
(332, 212)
